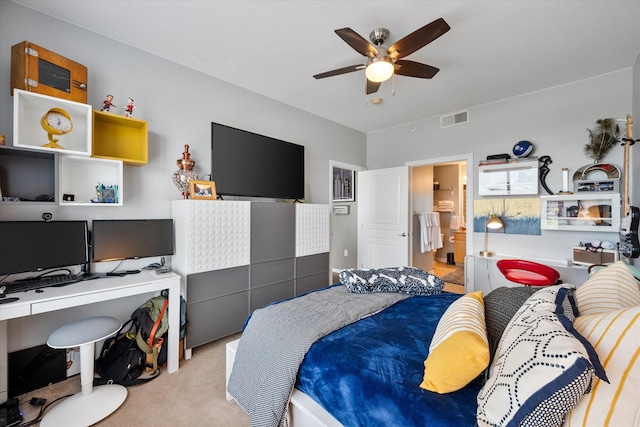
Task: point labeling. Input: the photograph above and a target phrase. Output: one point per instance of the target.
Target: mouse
(7, 300)
(39, 291)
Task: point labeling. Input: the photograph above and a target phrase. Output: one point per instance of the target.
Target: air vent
(454, 119)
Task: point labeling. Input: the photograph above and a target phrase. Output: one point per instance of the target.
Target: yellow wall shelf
(120, 138)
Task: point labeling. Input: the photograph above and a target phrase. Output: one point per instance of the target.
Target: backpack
(121, 361)
(152, 321)
(133, 355)
(146, 317)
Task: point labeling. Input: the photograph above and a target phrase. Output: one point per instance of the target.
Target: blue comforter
(368, 373)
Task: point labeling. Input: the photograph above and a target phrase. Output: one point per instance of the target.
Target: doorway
(439, 187)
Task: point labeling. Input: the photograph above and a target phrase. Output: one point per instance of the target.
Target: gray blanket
(276, 340)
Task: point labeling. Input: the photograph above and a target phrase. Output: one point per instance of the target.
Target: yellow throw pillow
(614, 335)
(459, 350)
(609, 289)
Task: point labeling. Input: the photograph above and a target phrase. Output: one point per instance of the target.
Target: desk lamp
(494, 223)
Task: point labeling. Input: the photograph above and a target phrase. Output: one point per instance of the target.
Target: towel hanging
(454, 223)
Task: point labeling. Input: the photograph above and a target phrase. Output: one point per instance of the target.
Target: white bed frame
(305, 412)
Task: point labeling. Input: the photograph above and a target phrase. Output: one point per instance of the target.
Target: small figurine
(128, 110)
(107, 104)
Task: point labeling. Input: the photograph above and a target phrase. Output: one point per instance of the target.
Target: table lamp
(494, 223)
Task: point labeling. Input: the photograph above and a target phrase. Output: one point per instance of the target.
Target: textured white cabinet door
(211, 235)
(312, 229)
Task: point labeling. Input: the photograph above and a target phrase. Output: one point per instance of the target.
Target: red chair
(528, 273)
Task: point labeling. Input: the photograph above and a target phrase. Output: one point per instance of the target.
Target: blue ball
(522, 149)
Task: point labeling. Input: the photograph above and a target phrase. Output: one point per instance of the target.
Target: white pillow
(542, 367)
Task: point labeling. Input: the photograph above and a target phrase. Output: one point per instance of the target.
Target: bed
(370, 372)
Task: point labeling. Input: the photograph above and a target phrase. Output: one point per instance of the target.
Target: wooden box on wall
(36, 69)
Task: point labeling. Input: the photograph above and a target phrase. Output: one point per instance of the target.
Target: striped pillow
(459, 350)
(614, 336)
(609, 289)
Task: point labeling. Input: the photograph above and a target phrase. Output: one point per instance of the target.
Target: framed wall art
(343, 185)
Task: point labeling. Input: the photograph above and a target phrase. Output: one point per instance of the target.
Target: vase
(185, 174)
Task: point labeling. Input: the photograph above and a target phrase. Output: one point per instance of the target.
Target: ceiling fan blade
(372, 87)
(339, 71)
(407, 68)
(418, 39)
(357, 42)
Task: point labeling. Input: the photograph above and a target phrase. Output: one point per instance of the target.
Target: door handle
(402, 234)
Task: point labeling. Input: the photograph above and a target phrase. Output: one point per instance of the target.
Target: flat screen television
(119, 239)
(30, 246)
(250, 165)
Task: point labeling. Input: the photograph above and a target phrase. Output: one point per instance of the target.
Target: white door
(383, 217)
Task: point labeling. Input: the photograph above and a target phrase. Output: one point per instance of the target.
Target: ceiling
(494, 50)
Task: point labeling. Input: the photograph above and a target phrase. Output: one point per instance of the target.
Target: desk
(88, 292)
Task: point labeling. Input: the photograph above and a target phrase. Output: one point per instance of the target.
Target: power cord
(117, 266)
(40, 415)
(489, 276)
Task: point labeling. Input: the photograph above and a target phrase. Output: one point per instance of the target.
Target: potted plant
(602, 138)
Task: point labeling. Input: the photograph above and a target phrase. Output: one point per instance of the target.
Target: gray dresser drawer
(216, 318)
(265, 273)
(212, 284)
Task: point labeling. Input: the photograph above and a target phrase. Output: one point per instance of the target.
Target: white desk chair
(91, 404)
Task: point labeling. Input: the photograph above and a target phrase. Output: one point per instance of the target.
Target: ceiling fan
(382, 65)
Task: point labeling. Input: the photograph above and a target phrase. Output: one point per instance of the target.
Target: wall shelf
(508, 179)
(80, 175)
(29, 171)
(581, 212)
(120, 138)
(27, 174)
(28, 110)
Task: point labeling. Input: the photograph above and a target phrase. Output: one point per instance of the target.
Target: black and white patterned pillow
(404, 280)
(542, 366)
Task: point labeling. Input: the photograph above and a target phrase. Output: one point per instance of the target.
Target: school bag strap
(152, 334)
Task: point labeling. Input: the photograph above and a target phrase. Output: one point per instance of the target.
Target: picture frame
(343, 185)
(202, 190)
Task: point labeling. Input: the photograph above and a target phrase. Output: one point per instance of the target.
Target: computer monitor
(32, 246)
(120, 239)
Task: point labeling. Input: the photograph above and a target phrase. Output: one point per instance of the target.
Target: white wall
(555, 120)
(344, 228)
(179, 105)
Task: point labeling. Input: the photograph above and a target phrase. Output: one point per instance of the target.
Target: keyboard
(40, 282)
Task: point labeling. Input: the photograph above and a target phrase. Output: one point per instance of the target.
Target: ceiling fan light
(379, 70)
